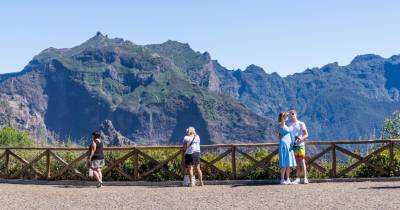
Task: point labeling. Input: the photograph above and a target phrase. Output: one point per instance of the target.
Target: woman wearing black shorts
(191, 146)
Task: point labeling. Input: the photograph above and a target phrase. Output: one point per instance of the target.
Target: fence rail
(139, 162)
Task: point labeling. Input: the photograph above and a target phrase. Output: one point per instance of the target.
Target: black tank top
(98, 154)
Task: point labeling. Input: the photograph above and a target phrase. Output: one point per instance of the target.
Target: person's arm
(92, 151)
(305, 133)
(276, 132)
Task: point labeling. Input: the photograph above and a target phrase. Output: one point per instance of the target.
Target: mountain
(149, 94)
(336, 102)
(126, 90)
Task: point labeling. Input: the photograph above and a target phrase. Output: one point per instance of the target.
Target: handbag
(186, 181)
(90, 172)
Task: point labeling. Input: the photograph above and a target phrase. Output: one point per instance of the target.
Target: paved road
(354, 195)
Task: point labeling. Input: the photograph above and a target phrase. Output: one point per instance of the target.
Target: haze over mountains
(151, 93)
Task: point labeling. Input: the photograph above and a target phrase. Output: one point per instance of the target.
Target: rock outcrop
(148, 97)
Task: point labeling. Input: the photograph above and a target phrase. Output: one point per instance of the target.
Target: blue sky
(280, 36)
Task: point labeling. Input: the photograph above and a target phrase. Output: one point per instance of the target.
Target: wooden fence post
(136, 153)
(183, 171)
(7, 163)
(391, 158)
(233, 162)
(48, 164)
(136, 166)
(333, 174)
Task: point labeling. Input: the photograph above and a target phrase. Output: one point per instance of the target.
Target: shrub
(10, 136)
(391, 127)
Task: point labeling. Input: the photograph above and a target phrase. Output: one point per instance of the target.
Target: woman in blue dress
(286, 154)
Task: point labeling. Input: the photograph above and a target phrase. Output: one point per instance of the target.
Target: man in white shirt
(299, 133)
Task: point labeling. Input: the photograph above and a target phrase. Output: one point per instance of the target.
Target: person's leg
(283, 170)
(190, 173)
(304, 168)
(298, 167)
(199, 174)
(96, 175)
(298, 162)
(304, 162)
(287, 175)
(100, 175)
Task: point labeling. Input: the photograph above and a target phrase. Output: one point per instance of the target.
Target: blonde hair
(191, 131)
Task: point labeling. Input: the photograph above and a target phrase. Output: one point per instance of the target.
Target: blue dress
(286, 154)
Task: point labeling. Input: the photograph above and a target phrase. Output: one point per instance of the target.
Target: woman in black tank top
(98, 153)
(96, 157)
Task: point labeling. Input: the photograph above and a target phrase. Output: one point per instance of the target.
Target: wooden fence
(15, 163)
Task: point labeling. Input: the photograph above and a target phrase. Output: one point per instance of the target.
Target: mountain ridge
(369, 81)
(137, 87)
(146, 97)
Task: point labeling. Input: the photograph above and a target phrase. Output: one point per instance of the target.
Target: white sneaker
(288, 181)
(306, 181)
(284, 182)
(296, 181)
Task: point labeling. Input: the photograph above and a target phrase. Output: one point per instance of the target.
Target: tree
(391, 127)
(10, 136)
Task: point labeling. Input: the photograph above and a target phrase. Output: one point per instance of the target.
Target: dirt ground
(345, 195)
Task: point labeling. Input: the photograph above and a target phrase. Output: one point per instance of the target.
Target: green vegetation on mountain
(10, 136)
(144, 95)
(336, 102)
(391, 127)
(151, 93)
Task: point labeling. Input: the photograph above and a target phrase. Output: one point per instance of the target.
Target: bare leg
(298, 168)
(304, 168)
(190, 172)
(199, 174)
(287, 174)
(283, 173)
(96, 175)
(100, 175)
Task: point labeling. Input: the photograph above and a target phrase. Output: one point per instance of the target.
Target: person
(191, 146)
(96, 157)
(286, 155)
(299, 135)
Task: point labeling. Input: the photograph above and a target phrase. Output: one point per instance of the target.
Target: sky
(280, 36)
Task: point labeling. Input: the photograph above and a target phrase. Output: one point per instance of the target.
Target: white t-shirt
(296, 129)
(195, 147)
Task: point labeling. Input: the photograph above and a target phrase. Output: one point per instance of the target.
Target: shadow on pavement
(252, 185)
(380, 188)
(73, 186)
(163, 186)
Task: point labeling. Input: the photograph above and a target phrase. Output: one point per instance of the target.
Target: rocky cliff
(336, 102)
(144, 95)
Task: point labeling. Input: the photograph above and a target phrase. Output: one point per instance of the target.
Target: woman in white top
(191, 146)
